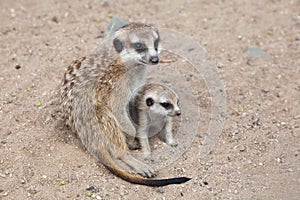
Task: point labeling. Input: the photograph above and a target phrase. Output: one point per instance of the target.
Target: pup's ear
(118, 45)
(149, 102)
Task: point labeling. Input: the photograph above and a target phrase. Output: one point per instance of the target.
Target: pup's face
(166, 104)
(138, 43)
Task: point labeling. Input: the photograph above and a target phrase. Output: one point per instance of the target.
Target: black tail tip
(164, 182)
(185, 179)
(179, 180)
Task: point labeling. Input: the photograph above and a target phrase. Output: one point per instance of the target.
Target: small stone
(90, 188)
(32, 191)
(98, 197)
(242, 148)
(160, 190)
(18, 67)
(265, 90)
(73, 177)
(54, 19)
(279, 160)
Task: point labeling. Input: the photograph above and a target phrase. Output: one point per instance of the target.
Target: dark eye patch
(139, 47)
(166, 105)
(156, 44)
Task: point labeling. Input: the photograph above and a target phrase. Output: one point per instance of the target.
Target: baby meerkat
(151, 110)
(95, 93)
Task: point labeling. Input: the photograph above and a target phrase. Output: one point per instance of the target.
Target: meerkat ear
(118, 45)
(149, 101)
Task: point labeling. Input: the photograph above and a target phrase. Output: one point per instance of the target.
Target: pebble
(160, 190)
(98, 197)
(297, 117)
(5, 194)
(73, 177)
(242, 148)
(89, 188)
(279, 160)
(18, 67)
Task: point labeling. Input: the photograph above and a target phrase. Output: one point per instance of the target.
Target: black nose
(178, 112)
(154, 59)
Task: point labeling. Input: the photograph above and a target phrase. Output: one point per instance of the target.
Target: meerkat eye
(139, 47)
(149, 101)
(166, 105)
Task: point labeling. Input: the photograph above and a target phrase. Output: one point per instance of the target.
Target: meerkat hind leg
(138, 166)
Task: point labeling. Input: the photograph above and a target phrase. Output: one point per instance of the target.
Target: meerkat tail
(148, 182)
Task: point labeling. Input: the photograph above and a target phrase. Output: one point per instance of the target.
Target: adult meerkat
(151, 110)
(96, 90)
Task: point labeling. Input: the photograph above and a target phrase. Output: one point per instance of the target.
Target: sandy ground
(257, 153)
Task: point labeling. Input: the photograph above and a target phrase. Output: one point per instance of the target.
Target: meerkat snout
(178, 112)
(154, 59)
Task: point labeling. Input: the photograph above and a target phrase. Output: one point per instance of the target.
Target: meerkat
(95, 92)
(151, 110)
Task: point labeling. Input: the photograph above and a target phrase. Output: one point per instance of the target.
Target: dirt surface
(255, 47)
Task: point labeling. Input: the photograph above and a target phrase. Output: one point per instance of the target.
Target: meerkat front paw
(133, 143)
(172, 142)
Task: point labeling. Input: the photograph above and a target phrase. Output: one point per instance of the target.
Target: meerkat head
(138, 43)
(162, 100)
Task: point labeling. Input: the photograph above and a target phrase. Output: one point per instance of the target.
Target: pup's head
(161, 100)
(137, 43)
